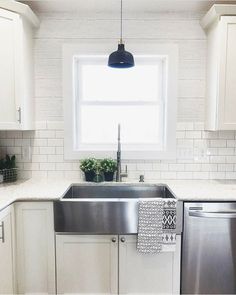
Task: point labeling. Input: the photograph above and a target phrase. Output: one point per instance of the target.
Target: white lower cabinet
(7, 251)
(35, 247)
(87, 264)
(93, 264)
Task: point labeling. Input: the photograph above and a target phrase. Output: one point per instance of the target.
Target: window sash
(101, 60)
(80, 102)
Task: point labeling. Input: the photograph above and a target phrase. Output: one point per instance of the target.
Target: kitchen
(60, 234)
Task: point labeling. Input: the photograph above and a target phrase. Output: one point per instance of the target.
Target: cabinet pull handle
(3, 232)
(113, 240)
(122, 239)
(19, 115)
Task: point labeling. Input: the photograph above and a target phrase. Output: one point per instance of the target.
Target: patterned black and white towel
(156, 226)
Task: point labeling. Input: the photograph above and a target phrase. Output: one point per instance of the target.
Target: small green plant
(8, 163)
(8, 168)
(108, 165)
(89, 165)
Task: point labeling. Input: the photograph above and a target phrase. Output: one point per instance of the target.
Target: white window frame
(165, 51)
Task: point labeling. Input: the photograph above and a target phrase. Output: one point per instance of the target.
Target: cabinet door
(7, 270)
(148, 273)
(35, 247)
(9, 69)
(227, 74)
(87, 264)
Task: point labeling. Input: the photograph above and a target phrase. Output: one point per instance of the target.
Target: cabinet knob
(113, 240)
(122, 239)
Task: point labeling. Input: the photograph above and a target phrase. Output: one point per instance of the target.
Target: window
(104, 97)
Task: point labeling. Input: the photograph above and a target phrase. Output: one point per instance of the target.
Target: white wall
(201, 155)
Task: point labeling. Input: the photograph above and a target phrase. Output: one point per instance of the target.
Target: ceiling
(130, 6)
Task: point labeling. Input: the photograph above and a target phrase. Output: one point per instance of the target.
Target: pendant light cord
(121, 21)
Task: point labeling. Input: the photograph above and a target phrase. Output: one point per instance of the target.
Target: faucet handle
(141, 178)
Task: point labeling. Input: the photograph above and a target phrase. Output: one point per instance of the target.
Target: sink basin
(117, 191)
(105, 208)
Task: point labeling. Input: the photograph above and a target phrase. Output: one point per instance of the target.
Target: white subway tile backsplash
(13, 150)
(226, 167)
(217, 143)
(209, 167)
(14, 134)
(231, 143)
(201, 175)
(55, 158)
(230, 159)
(39, 142)
(39, 174)
(7, 142)
(168, 175)
(230, 175)
(217, 175)
(47, 150)
(56, 125)
(227, 134)
(152, 175)
(45, 134)
(22, 142)
(64, 166)
(39, 158)
(31, 166)
(56, 174)
(176, 167)
(184, 175)
(144, 166)
(40, 125)
(59, 150)
(48, 166)
(72, 175)
(55, 142)
(200, 154)
(217, 159)
(192, 167)
(226, 151)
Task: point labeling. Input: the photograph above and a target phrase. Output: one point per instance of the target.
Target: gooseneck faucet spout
(119, 173)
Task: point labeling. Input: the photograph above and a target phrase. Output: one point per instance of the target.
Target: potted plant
(8, 168)
(89, 167)
(108, 167)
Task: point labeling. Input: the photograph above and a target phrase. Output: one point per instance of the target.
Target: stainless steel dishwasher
(209, 248)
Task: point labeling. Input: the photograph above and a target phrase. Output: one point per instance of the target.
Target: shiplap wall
(200, 154)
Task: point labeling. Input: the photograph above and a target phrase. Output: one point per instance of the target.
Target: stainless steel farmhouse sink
(106, 208)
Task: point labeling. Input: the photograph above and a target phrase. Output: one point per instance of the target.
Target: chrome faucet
(119, 173)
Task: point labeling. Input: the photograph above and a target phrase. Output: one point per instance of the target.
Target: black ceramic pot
(108, 176)
(89, 176)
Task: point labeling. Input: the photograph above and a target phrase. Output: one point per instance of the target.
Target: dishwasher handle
(215, 214)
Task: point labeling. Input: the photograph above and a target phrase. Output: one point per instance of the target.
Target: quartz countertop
(51, 189)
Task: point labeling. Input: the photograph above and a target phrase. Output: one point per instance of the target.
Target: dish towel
(156, 226)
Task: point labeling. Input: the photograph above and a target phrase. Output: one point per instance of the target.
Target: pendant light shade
(121, 58)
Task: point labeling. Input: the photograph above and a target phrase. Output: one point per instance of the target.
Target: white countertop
(187, 190)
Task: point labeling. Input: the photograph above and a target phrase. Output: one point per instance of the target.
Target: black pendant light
(121, 58)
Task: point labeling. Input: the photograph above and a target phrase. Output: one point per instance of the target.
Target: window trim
(71, 51)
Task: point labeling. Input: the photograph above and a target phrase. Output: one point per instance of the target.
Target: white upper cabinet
(220, 26)
(16, 71)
